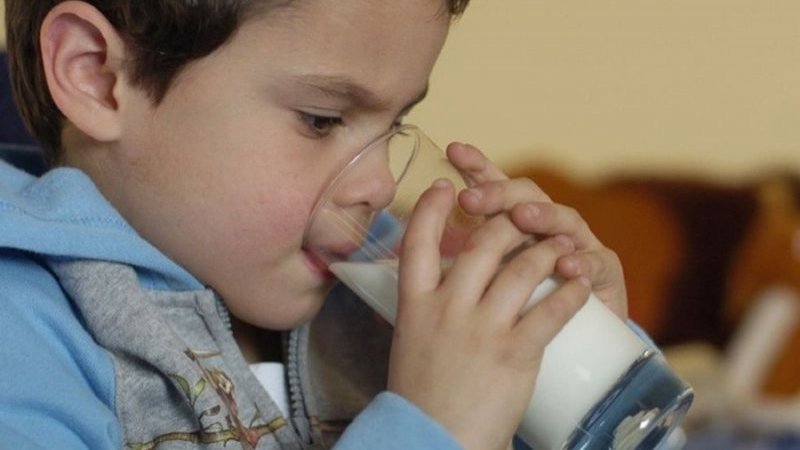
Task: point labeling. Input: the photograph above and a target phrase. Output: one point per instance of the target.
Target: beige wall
(700, 86)
(709, 87)
(2, 24)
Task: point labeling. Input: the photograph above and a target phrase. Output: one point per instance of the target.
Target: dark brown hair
(162, 36)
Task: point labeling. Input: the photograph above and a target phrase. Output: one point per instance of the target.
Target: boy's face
(223, 174)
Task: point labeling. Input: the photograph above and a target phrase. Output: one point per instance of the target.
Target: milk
(580, 366)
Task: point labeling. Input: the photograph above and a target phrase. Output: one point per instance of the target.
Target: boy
(164, 252)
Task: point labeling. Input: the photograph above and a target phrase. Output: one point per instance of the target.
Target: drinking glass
(600, 385)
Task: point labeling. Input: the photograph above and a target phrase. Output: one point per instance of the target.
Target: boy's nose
(370, 181)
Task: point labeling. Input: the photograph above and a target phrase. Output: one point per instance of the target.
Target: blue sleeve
(56, 383)
(391, 422)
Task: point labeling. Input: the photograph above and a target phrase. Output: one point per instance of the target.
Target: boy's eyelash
(318, 124)
(321, 126)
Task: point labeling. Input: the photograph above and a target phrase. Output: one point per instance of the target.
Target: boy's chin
(300, 311)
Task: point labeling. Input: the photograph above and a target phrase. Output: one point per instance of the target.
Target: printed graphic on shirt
(221, 423)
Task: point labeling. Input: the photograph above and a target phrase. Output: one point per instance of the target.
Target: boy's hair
(162, 37)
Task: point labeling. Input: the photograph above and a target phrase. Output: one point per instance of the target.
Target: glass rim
(370, 146)
(418, 133)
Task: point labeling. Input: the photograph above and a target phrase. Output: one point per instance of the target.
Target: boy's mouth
(318, 264)
(319, 259)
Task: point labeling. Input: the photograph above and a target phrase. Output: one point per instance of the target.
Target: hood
(62, 215)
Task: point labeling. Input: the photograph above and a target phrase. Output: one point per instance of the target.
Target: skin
(222, 177)
(252, 167)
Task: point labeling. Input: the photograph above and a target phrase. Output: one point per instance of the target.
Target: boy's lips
(318, 264)
(320, 258)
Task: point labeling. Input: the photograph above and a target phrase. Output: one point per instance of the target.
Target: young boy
(163, 254)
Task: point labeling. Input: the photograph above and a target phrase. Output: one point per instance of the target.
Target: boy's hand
(461, 351)
(532, 211)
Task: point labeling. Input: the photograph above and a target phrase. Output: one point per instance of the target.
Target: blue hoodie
(58, 385)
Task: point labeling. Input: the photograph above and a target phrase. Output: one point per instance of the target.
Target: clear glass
(600, 385)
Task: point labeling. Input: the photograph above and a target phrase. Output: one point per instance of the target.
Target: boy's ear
(83, 59)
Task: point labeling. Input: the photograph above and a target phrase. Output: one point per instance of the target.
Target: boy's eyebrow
(343, 87)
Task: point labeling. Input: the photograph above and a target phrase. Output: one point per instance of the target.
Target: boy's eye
(320, 125)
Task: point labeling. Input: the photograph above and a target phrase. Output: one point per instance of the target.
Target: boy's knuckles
(604, 264)
(540, 259)
(613, 259)
(523, 187)
(521, 190)
(493, 191)
(529, 264)
(572, 219)
(527, 184)
(497, 232)
(584, 229)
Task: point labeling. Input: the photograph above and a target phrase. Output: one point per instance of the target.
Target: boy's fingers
(542, 322)
(604, 269)
(601, 266)
(492, 197)
(492, 191)
(478, 262)
(420, 261)
(514, 284)
(471, 162)
(546, 218)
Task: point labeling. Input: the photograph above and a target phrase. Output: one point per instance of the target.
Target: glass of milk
(600, 385)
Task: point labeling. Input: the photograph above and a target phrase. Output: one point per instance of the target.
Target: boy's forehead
(352, 48)
(358, 23)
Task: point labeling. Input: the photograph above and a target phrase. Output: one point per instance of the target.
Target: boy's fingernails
(532, 211)
(568, 266)
(475, 193)
(441, 183)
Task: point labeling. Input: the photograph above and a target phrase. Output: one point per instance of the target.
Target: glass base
(639, 412)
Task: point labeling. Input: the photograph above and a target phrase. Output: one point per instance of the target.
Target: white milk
(580, 364)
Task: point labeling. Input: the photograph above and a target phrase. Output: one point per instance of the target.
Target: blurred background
(674, 128)
(703, 87)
